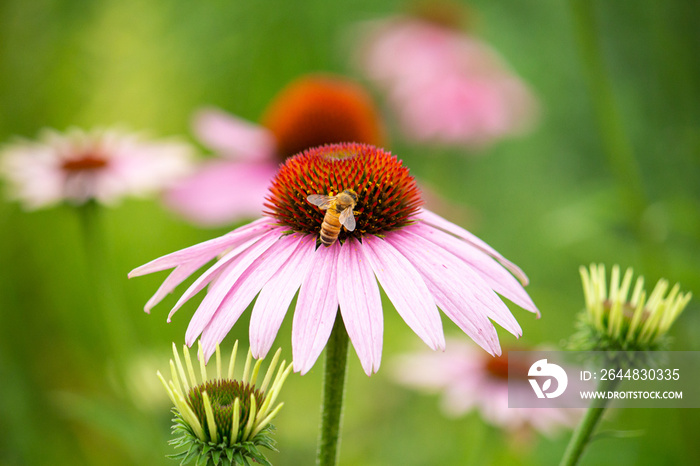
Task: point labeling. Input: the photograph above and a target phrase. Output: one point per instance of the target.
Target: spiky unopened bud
(614, 320)
(221, 420)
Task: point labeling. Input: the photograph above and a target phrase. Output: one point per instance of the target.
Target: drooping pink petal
(491, 271)
(233, 136)
(211, 274)
(450, 294)
(316, 309)
(218, 291)
(222, 192)
(246, 287)
(210, 248)
(276, 296)
(439, 222)
(406, 290)
(360, 305)
(477, 290)
(176, 277)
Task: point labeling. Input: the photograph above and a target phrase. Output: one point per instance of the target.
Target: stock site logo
(542, 369)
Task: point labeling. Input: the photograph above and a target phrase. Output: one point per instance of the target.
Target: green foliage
(588, 338)
(219, 454)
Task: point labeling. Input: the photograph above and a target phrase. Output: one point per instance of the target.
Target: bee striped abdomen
(330, 228)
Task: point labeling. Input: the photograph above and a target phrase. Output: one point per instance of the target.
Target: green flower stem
(333, 392)
(584, 431)
(616, 143)
(618, 148)
(106, 302)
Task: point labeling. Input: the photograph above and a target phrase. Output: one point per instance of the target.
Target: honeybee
(338, 212)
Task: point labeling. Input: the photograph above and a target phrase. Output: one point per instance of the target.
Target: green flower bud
(220, 420)
(614, 320)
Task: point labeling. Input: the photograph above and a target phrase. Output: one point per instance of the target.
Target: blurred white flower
(78, 166)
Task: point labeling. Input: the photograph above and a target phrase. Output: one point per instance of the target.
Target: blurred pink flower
(470, 379)
(101, 165)
(421, 260)
(223, 190)
(311, 111)
(444, 86)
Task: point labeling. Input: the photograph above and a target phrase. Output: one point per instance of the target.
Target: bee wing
(347, 219)
(322, 201)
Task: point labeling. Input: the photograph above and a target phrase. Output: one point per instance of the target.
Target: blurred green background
(550, 201)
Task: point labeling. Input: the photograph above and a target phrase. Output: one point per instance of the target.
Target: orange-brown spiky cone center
(322, 109)
(387, 195)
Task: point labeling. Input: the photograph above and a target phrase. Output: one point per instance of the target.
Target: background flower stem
(617, 145)
(582, 435)
(106, 302)
(333, 393)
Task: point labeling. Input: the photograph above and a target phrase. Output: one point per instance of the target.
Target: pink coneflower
(101, 165)
(421, 260)
(311, 111)
(444, 86)
(472, 380)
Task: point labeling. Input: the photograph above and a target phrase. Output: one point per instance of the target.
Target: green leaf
(202, 460)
